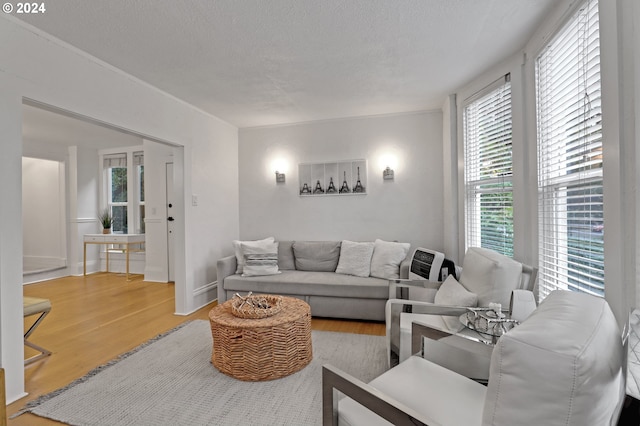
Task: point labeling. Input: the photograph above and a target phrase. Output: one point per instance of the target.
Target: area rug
(170, 381)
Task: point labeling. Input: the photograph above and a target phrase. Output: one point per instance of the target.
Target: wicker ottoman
(262, 349)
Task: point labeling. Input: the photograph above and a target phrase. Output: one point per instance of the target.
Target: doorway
(55, 134)
(44, 228)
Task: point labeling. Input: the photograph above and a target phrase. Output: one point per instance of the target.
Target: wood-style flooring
(98, 317)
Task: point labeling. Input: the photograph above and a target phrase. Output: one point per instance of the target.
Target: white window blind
(570, 202)
(488, 169)
(114, 160)
(138, 158)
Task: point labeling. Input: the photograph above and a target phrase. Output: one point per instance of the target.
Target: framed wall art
(337, 178)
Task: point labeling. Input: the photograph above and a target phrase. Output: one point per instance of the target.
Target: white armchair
(487, 277)
(562, 366)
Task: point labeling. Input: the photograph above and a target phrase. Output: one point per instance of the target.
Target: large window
(124, 190)
(570, 201)
(488, 169)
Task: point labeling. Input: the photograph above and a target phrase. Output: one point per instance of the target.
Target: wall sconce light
(279, 177)
(387, 174)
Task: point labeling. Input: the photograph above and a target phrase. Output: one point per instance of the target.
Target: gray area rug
(170, 381)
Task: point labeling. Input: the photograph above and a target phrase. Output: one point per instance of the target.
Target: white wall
(407, 209)
(44, 236)
(39, 67)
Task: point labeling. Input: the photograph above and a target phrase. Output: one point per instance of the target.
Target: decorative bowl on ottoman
(256, 306)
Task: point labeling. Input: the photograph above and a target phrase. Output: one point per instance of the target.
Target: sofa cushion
(386, 259)
(452, 293)
(260, 260)
(565, 363)
(305, 283)
(285, 255)
(490, 275)
(238, 250)
(319, 256)
(355, 258)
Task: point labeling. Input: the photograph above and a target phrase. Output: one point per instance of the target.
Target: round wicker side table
(262, 349)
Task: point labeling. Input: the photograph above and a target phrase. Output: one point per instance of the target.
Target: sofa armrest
(226, 266)
(464, 356)
(394, 307)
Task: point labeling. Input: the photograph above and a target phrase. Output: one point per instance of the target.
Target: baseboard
(155, 274)
(206, 288)
(35, 264)
(202, 297)
(16, 398)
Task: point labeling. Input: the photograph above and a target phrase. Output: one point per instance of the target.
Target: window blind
(138, 158)
(570, 191)
(114, 160)
(488, 169)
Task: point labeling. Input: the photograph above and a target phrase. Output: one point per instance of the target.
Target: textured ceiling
(261, 62)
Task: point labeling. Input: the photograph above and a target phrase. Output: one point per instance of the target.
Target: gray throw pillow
(286, 261)
(317, 256)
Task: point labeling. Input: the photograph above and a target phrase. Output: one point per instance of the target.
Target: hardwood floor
(98, 317)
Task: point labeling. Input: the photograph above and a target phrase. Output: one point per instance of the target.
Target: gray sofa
(330, 294)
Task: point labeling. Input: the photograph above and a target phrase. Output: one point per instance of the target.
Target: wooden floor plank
(97, 317)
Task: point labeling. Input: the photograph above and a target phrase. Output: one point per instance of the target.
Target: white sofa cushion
(237, 247)
(355, 258)
(260, 260)
(386, 259)
(565, 361)
(452, 293)
(490, 275)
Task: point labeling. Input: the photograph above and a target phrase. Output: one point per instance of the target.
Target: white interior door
(170, 221)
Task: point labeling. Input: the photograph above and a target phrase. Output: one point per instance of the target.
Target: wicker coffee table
(262, 349)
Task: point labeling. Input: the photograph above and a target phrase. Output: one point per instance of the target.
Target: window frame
(135, 223)
(552, 187)
(474, 184)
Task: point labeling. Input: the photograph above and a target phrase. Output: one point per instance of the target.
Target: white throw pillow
(238, 250)
(491, 275)
(452, 293)
(260, 259)
(386, 259)
(355, 258)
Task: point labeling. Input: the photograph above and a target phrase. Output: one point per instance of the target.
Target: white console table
(127, 240)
